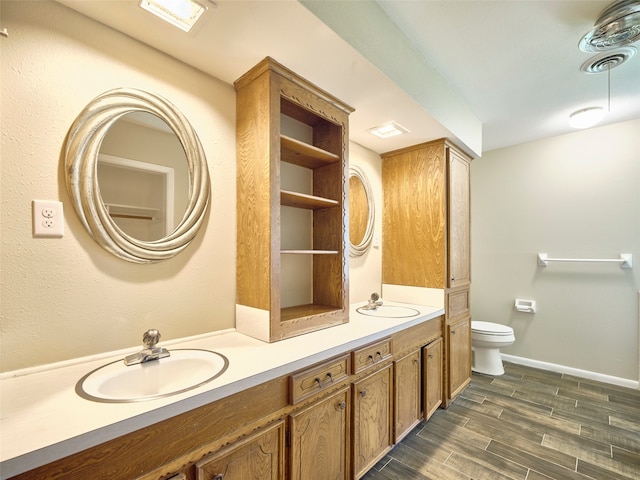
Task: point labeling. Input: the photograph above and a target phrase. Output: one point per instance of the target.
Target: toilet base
(487, 361)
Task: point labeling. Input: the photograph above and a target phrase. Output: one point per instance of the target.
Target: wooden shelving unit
(268, 96)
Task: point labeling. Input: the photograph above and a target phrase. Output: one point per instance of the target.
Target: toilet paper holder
(525, 306)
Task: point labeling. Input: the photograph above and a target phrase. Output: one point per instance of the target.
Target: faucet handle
(150, 338)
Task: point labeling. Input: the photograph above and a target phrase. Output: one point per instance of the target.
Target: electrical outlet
(48, 219)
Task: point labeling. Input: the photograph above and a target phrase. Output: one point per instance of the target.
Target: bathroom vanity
(328, 404)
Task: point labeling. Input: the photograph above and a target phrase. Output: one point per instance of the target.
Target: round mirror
(361, 212)
(137, 175)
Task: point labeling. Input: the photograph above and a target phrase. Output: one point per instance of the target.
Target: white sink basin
(389, 311)
(183, 370)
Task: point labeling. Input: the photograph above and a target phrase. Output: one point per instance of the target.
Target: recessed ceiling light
(587, 117)
(179, 13)
(387, 130)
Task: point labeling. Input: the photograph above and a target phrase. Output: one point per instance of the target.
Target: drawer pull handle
(342, 405)
(372, 359)
(330, 376)
(379, 354)
(363, 393)
(319, 382)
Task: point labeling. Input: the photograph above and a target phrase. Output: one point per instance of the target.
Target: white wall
(577, 196)
(66, 298)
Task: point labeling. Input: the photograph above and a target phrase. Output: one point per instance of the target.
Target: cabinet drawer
(370, 355)
(312, 380)
(458, 303)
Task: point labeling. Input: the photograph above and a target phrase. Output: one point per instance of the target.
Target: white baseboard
(552, 367)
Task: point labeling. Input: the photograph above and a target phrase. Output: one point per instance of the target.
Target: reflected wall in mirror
(361, 212)
(137, 175)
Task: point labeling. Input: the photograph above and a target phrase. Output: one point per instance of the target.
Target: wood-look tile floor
(527, 424)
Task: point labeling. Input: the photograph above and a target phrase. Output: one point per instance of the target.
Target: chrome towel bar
(625, 260)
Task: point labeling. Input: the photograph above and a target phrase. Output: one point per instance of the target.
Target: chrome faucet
(150, 351)
(374, 302)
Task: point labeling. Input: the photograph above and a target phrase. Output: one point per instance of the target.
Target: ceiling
(487, 74)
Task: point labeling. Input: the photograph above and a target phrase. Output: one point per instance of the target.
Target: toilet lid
(490, 328)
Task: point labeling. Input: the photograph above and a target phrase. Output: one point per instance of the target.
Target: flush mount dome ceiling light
(617, 26)
(587, 117)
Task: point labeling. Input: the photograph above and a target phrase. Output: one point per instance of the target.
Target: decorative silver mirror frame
(81, 158)
(363, 246)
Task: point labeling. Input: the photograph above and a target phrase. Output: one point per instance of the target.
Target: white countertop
(43, 419)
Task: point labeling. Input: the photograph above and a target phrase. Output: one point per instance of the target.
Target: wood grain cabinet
(458, 339)
(426, 234)
(407, 382)
(292, 173)
(372, 419)
(258, 457)
(319, 438)
(432, 377)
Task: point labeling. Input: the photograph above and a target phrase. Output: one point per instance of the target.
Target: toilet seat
(489, 328)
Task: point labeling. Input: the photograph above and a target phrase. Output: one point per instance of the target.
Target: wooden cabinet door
(432, 380)
(372, 419)
(459, 367)
(320, 439)
(459, 220)
(406, 380)
(257, 457)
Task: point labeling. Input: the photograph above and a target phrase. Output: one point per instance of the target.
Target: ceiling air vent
(607, 60)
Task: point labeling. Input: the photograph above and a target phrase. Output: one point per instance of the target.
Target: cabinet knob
(342, 405)
(430, 356)
(363, 393)
(453, 332)
(219, 476)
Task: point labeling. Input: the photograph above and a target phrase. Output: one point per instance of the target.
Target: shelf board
(309, 252)
(302, 200)
(298, 311)
(305, 155)
(130, 211)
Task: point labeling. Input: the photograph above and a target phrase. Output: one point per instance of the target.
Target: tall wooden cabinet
(292, 174)
(426, 238)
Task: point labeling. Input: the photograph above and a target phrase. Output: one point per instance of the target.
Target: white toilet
(486, 341)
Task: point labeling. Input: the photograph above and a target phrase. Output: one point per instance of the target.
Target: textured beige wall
(365, 272)
(576, 196)
(66, 298)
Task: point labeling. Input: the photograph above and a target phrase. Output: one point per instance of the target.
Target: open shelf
(302, 200)
(305, 155)
(292, 263)
(309, 252)
(300, 311)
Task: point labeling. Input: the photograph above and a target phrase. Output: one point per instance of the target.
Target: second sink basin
(390, 311)
(182, 371)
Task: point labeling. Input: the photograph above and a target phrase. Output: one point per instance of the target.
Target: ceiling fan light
(587, 117)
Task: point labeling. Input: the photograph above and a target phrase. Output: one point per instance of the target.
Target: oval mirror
(137, 175)
(361, 212)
